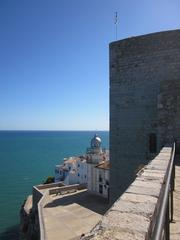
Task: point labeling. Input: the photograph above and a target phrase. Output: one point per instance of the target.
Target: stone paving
(70, 216)
(175, 225)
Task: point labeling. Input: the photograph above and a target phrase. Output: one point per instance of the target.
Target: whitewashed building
(102, 178)
(72, 171)
(91, 169)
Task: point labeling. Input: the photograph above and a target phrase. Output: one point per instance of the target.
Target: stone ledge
(144, 209)
(114, 233)
(133, 215)
(137, 198)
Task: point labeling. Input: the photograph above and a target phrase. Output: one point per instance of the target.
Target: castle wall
(144, 101)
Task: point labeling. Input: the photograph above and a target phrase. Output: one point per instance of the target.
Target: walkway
(70, 216)
(175, 226)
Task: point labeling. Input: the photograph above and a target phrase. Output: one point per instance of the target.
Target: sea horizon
(46, 130)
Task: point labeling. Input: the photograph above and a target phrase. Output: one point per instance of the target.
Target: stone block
(156, 166)
(126, 221)
(153, 175)
(155, 192)
(131, 197)
(150, 179)
(145, 209)
(115, 233)
(146, 183)
(159, 162)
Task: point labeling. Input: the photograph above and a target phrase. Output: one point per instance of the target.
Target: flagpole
(116, 21)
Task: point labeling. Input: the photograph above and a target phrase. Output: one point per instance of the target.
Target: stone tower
(144, 102)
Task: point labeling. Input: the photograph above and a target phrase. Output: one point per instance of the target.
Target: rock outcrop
(29, 224)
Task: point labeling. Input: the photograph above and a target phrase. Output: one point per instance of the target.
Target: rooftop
(72, 215)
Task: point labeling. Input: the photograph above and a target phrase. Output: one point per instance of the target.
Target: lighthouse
(97, 168)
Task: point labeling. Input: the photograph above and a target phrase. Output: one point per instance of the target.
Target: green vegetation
(49, 179)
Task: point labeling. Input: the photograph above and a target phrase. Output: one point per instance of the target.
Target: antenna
(116, 22)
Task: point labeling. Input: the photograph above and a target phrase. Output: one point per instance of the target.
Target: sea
(27, 158)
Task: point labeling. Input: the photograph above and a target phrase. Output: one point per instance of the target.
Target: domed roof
(95, 141)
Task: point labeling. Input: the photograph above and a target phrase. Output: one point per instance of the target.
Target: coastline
(31, 157)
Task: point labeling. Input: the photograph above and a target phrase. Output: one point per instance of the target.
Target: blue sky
(54, 58)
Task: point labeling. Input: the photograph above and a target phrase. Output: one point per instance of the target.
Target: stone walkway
(175, 226)
(70, 216)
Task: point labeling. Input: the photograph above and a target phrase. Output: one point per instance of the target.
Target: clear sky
(54, 58)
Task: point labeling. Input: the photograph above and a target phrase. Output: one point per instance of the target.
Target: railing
(162, 226)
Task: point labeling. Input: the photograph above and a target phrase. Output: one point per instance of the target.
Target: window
(84, 176)
(107, 182)
(152, 143)
(78, 175)
(100, 189)
(100, 178)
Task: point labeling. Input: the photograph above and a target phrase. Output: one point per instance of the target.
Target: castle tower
(144, 102)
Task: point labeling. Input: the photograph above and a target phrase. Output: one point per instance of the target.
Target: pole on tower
(116, 22)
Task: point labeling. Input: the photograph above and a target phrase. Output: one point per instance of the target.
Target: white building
(102, 178)
(72, 171)
(91, 169)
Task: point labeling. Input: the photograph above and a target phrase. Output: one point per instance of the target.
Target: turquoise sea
(26, 159)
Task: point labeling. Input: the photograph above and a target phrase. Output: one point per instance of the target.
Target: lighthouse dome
(96, 142)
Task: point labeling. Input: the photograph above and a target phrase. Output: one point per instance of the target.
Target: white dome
(96, 141)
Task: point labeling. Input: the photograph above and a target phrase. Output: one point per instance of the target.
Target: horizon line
(75, 130)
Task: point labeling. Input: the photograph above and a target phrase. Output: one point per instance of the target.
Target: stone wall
(144, 100)
(169, 112)
(134, 214)
(38, 193)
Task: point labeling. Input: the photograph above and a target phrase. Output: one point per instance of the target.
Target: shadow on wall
(177, 147)
(177, 159)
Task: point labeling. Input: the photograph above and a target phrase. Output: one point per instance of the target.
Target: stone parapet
(45, 199)
(133, 215)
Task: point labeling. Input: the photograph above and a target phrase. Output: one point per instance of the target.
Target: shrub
(49, 179)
